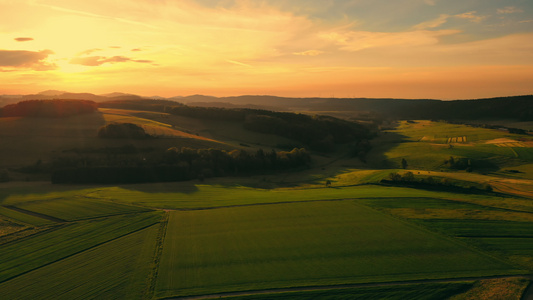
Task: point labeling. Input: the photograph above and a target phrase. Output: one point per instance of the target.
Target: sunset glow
(339, 48)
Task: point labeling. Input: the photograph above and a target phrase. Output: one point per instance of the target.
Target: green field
(400, 292)
(78, 208)
(115, 270)
(49, 246)
(303, 244)
(273, 231)
(425, 145)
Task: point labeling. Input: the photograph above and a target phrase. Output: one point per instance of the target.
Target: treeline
(319, 133)
(408, 179)
(48, 108)
(514, 108)
(491, 126)
(175, 165)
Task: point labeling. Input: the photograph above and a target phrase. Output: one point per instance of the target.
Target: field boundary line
(73, 254)
(342, 286)
(50, 228)
(451, 238)
(34, 214)
(152, 277)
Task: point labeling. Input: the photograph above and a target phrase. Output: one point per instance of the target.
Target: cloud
(359, 40)
(98, 16)
(509, 10)
(93, 61)
(238, 63)
(430, 2)
(23, 39)
(136, 50)
(471, 15)
(309, 53)
(34, 60)
(432, 23)
(87, 52)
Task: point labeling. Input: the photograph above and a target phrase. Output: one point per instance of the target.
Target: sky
(439, 49)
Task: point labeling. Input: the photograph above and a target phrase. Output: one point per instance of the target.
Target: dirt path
(528, 294)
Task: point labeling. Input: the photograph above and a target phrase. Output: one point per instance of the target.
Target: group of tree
(175, 164)
(122, 131)
(48, 108)
(410, 180)
(461, 163)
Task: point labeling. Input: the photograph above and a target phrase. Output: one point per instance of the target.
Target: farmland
(266, 233)
(305, 243)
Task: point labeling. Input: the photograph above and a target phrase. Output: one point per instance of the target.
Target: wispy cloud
(89, 51)
(93, 61)
(509, 10)
(430, 2)
(471, 16)
(23, 39)
(238, 63)
(20, 59)
(359, 40)
(93, 15)
(432, 23)
(309, 53)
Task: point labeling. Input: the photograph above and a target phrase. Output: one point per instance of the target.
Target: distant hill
(515, 107)
(52, 93)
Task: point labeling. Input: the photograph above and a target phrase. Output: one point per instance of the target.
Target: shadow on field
(183, 187)
(377, 158)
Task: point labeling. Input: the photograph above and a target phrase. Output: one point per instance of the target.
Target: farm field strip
(117, 269)
(212, 196)
(302, 244)
(24, 218)
(35, 251)
(78, 208)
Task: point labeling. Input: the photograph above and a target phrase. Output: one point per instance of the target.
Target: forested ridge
(319, 133)
(48, 108)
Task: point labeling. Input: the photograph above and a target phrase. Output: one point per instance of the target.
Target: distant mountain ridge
(513, 107)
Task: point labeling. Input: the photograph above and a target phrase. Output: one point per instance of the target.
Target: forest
(175, 164)
(48, 108)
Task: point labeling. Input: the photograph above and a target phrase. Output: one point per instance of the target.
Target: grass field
(115, 270)
(303, 244)
(425, 145)
(49, 246)
(78, 208)
(272, 231)
(399, 292)
(22, 217)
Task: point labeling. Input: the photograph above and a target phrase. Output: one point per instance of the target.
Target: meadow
(319, 243)
(262, 234)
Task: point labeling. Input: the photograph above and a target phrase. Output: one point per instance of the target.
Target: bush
(121, 131)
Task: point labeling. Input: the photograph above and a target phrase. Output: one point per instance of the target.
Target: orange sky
(342, 48)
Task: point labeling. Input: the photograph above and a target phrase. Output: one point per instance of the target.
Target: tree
(408, 176)
(328, 183)
(395, 176)
(404, 163)
(451, 161)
